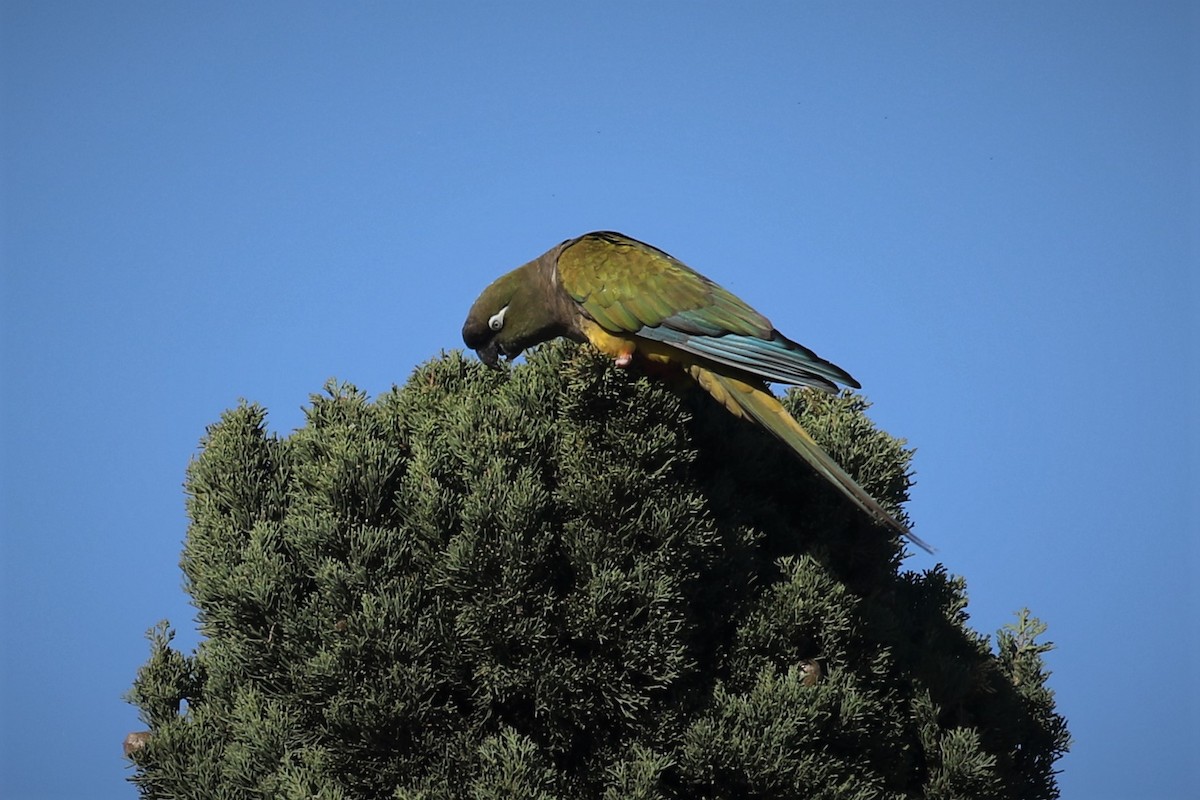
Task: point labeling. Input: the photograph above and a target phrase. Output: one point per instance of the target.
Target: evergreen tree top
(567, 580)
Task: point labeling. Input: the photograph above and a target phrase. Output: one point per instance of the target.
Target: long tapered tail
(754, 401)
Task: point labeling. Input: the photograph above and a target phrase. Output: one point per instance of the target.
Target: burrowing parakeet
(630, 299)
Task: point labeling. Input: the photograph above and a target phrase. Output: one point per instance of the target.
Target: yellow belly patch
(621, 346)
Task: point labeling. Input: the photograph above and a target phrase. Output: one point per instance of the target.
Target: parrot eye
(497, 320)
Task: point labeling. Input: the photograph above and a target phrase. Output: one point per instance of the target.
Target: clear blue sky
(986, 211)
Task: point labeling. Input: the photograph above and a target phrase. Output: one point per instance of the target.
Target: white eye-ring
(497, 320)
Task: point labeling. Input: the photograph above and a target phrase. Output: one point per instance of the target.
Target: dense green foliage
(567, 580)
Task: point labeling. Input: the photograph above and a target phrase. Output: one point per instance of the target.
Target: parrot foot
(623, 360)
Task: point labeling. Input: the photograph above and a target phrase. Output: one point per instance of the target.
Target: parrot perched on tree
(628, 299)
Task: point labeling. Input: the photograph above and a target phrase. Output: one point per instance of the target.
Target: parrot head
(513, 313)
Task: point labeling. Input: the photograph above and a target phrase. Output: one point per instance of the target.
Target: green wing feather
(626, 285)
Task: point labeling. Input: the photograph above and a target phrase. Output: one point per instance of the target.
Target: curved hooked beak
(489, 354)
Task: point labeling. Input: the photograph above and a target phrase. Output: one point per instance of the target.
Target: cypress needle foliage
(566, 580)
